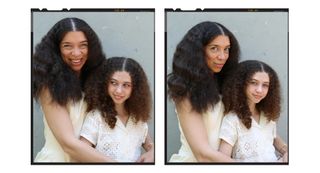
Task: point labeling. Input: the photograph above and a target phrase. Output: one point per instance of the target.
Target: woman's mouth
(76, 62)
(219, 65)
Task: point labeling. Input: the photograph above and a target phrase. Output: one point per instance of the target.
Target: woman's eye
(226, 50)
(214, 49)
(253, 83)
(67, 46)
(83, 46)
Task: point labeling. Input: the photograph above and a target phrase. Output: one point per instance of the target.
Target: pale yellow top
(52, 151)
(212, 120)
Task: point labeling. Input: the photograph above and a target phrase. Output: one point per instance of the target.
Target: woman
(119, 106)
(252, 105)
(62, 62)
(203, 58)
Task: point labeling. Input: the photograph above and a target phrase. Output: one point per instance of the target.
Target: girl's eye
(113, 83)
(266, 85)
(126, 85)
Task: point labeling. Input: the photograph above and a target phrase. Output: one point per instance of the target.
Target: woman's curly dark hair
(138, 105)
(50, 71)
(191, 77)
(234, 92)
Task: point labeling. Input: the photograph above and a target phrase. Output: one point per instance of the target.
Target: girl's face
(257, 88)
(217, 53)
(120, 87)
(74, 50)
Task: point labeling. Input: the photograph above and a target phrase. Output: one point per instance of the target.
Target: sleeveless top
(52, 150)
(212, 120)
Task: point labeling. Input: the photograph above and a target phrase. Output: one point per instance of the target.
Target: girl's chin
(116, 101)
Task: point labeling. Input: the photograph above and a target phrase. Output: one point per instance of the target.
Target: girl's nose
(119, 89)
(259, 88)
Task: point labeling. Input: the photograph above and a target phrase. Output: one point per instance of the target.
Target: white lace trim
(123, 143)
(249, 145)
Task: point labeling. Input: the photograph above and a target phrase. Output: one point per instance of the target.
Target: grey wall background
(129, 34)
(261, 35)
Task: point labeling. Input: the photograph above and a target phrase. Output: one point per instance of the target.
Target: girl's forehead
(260, 76)
(121, 76)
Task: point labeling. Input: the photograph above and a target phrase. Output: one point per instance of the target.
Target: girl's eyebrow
(252, 79)
(115, 80)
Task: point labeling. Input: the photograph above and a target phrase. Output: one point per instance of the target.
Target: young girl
(119, 105)
(252, 105)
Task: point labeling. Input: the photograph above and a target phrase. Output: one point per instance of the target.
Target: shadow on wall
(37, 128)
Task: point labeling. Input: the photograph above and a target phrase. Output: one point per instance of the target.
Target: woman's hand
(148, 146)
(147, 157)
(285, 157)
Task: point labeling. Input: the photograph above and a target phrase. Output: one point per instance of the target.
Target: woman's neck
(78, 74)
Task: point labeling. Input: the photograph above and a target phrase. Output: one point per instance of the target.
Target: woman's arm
(148, 146)
(195, 132)
(86, 141)
(281, 147)
(60, 124)
(225, 148)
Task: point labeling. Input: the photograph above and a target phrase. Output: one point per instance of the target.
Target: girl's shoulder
(231, 116)
(94, 115)
(138, 124)
(264, 119)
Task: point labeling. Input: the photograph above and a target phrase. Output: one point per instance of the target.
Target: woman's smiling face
(217, 53)
(74, 50)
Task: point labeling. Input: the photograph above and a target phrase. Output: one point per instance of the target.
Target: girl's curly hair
(138, 105)
(50, 71)
(191, 77)
(234, 96)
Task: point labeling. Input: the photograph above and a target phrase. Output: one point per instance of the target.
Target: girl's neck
(254, 112)
(121, 110)
(122, 113)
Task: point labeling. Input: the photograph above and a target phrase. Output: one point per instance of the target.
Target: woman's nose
(76, 51)
(221, 55)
